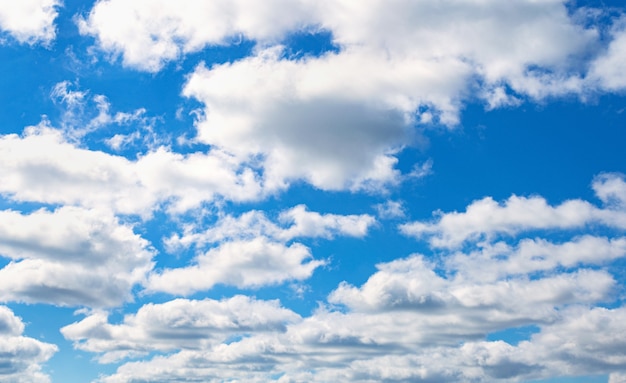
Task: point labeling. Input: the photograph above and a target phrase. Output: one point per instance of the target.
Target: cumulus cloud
(42, 166)
(148, 34)
(177, 324)
(301, 118)
(498, 260)
(242, 263)
(486, 218)
(29, 21)
(605, 68)
(337, 120)
(70, 256)
(252, 251)
(21, 357)
(429, 318)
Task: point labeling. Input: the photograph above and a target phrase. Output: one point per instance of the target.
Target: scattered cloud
(427, 319)
(294, 104)
(390, 209)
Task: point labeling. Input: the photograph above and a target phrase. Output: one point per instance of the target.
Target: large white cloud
(21, 357)
(314, 119)
(29, 21)
(70, 256)
(337, 121)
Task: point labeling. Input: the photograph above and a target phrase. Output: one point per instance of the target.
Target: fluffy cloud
(477, 32)
(428, 318)
(605, 68)
(293, 223)
(242, 263)
(491, 262)
(70, 256)
(487, 218)
(337, 120)
(304, 119)
(150, 33)
(387, 347)
(484, 306)
(42, 166)
(251, 250)
(21, 357)
(29, 21)
(177, 324)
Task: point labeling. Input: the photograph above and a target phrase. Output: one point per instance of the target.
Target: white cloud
(390, 209)
(242, 263)
(252, 251)
(314, 128)
(29, 21)
(293, 223)
(42, 166)
(150, 33)
(611, 189)
(491, 262)
(422, 170)
(486, 218)
(586, 341)
(9, 323)
(71, 256)
(21, 357)
(337, 121)
(339, 347)
(419, 320)
(177, 324)
(605, 69)
(84, 113)
(412, 284)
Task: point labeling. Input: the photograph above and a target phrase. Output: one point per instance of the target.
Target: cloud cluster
(21, 357)
(29, 21)
(486, 218)
(43, 166)
(418, 318)
(252, 251)
(70, 257)
(338, 119)
(181, 323)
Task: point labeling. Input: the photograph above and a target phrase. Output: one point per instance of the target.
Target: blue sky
(312, 191)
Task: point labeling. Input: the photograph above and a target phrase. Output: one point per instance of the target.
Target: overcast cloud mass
(312, 191)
